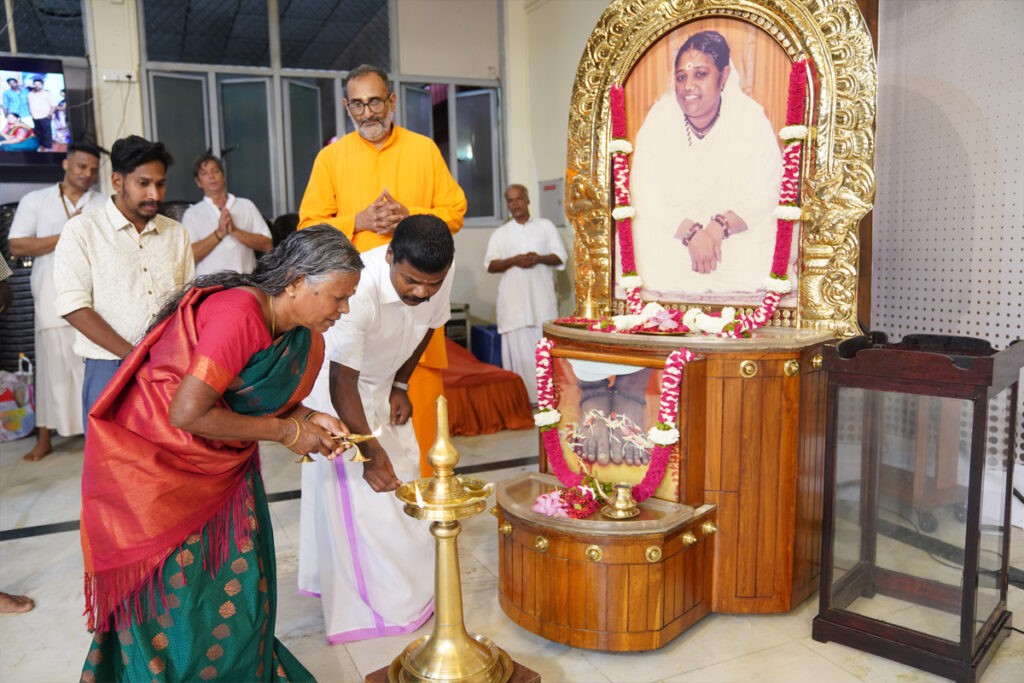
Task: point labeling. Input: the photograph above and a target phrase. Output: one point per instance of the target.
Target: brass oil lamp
(449, 653)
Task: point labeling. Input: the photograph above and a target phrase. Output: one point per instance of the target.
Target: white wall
(112, 38)
(949, 213)
(448, 38)
(544, 40)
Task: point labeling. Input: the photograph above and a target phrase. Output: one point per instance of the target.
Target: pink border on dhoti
(379, 628)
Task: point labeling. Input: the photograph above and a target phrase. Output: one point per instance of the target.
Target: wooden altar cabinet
(752, 445)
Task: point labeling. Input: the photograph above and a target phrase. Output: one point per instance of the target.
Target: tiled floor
(50, 643)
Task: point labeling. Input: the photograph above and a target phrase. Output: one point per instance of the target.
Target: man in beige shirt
(115, 265)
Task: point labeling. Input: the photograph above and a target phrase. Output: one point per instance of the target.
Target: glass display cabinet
(918, 466)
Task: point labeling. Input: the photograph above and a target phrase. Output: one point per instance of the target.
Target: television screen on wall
(36, 126)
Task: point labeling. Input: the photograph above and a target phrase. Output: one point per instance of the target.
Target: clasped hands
(224, 224)
(382, 216)
(705, 245)
(527, 260)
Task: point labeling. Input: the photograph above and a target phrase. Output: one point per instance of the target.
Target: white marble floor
(50, 643)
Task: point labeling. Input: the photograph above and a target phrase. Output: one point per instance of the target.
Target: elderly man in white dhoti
(704, 181)
(368, 561)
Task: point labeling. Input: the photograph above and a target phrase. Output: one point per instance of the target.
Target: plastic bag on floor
(17, 401)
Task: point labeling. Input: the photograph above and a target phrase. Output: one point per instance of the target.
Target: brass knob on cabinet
(494, 510)
(708, 528)
(791, 367)
(688, 538)
(505, 528)
(653, 553)
(817, 362)
(593, 553)
(541, 544)
(748, 369)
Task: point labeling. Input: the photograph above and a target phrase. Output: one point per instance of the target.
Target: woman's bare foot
(15, 603)
(42, 447)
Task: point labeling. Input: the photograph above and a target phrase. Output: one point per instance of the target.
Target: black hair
(129, 153)
(710, 43)
(365, 70)
(38, 80)
(314, 253)
(83, 146)
(12, 78)
(424, 242)
(197, 165)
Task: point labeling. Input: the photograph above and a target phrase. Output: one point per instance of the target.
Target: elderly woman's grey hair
(316, 253)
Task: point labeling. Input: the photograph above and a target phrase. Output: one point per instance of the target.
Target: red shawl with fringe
(146, 486)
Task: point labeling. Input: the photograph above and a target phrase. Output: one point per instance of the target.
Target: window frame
(497, 134)
(282, 181)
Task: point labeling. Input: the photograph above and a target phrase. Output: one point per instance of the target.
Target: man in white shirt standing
(115, 265)
(37, 225)
(226, 231)
(41, 106)
(367, 560)
(526, 251)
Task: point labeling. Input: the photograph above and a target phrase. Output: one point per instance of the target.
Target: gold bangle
(298, 433)
(309, 415)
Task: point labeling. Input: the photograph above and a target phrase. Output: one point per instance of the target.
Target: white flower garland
(696, 319)
(621, 213)
(626, 322)
(777, 285)
(663, 437)
(631, 281)
(787, 213)
(793, 133)
(620, 146)
(546, 418)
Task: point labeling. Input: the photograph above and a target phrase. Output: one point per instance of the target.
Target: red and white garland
(663, 434)
(727, 324)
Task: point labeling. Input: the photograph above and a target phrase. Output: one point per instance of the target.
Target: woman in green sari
(176, 534)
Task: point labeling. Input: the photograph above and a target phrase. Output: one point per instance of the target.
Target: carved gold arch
(838, 176)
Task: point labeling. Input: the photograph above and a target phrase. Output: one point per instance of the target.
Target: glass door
(181, 121)
(247, 139)
(302, 140)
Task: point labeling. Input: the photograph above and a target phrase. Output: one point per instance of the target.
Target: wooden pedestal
(752, 424)
(602, 584)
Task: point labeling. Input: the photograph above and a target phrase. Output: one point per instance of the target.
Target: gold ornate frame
(838, 180)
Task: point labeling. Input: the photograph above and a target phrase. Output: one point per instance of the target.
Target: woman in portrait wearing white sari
(704, 181)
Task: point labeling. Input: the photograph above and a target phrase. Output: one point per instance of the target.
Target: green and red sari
(180, 575)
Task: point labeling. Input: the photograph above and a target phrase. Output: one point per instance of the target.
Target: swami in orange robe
(349, 175)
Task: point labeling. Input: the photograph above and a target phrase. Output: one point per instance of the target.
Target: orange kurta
(349, 175)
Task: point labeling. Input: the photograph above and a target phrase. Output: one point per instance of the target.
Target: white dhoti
(518, 354)
(369, 562)
(59, 376)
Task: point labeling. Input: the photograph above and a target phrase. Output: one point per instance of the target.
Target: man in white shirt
(115, 265)
(367, 560)
(41, 107)
(226, 231)
(526, 251)
(37, 225)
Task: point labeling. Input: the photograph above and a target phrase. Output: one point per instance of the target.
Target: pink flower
(550, 504)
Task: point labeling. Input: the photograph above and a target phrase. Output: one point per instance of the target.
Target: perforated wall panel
(948, 244)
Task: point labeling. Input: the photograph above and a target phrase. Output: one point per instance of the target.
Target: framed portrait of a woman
(703, 106)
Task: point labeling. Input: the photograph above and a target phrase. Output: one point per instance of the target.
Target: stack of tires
(17, 326)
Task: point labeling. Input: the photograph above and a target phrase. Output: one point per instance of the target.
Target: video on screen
(35, 112)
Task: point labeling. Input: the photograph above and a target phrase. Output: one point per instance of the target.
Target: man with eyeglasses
(368, 181)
